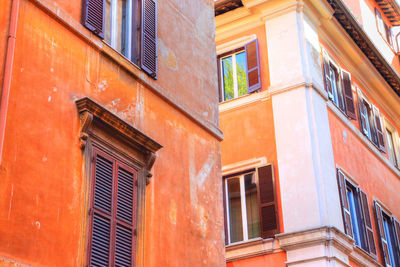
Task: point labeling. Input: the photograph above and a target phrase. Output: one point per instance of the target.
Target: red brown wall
(42, 184)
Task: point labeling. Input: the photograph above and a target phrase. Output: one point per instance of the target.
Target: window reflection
(253, 219)
(235, 210)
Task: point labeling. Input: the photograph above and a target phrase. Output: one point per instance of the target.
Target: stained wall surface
(42, 182)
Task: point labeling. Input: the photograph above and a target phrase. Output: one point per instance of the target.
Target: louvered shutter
(369, 233)
(363, 114)
(101, 211)
(253, 67)
(149, 37)
(384, 244)
(327, 75)
(267, 201)
(348, 95)
(378, 127)
(397, 236)
(345, 205)
(125, 217)
(93, 16)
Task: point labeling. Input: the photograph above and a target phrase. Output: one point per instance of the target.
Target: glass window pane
(107, 25)
(390, 145)
(228, 78)
(241, 69)
(388, 232)
(122, 27)
(353, 214)
(235, 210)
(253, 219)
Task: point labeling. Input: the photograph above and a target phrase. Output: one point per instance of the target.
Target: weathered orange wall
(368, 170)
(4, 30)
(273, 260)
(41, 176)
(249, 131)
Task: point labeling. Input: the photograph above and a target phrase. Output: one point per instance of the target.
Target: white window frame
(396, 142)
(234, 73)
(242, 205)
(113, 26)
(353, 209)
(335, 83)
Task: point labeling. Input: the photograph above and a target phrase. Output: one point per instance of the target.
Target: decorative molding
(281, 10)
(252, 248)
(355, 31)
(235, 44)
(362, 138)
(223, 6)
(337, 247)
(243, 165)
(91, 113)
(243, 101)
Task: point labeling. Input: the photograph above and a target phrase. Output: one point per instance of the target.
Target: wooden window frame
(396, 142)
(103, 131)
(338, 96)
(372, 124)
(385, 35)
(243, 204)
(363, 220)
(232, 54)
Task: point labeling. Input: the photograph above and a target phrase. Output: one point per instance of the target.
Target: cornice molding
(91, 113)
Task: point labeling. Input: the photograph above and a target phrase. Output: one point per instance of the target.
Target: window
(338, 86)
(113, 212)
(117, 172)
(383, 28)
(389, 230)
(391, 136)
(356, 214)
(128, 26)
(370, 122)
(239, 72)
(250, 205)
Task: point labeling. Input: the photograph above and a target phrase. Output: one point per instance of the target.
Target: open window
(239, 72)
(389, 233)
(250, 205)
(338, 86)
(128, 26)
(356, 214)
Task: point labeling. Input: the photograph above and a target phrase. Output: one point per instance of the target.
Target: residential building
(109, 137)
(310, 111)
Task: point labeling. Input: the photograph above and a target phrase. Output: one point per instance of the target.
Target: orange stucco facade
(294, 133)
(43, 187)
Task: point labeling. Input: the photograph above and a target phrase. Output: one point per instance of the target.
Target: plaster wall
(42, 185)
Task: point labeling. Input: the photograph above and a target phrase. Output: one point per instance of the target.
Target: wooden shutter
(363, 115)
(378, 127)
(327, 75)
(113, 225)
(253, 67)
(93, 16)
(268, 207)
(369, 233)
(125, 217)
(348, 95)
(345, 204)
(397, 236)
(149, 37)
(102, 211)
(382, 235)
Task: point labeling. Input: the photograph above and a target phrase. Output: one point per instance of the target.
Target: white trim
(243, 165)
(113, 13)
(244, 209)
(129, 29)
(234, 76)
(235, 44)
(395, 136)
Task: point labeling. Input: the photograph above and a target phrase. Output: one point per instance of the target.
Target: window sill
(242, 101)
(361, 257)
(252, 248)
(363, 138)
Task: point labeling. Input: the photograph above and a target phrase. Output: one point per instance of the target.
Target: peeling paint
(49, 99)
(172, 212)
(11, 198)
